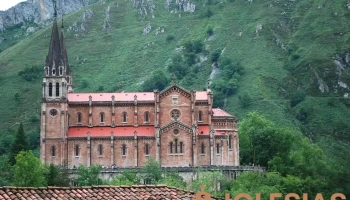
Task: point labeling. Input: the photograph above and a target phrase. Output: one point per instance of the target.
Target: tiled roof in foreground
(144, 192)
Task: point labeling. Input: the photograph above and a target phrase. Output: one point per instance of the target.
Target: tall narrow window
(53, 72)
(76, 150)
(124, 149)
(124, 117)
(200, 116)
(57, 89)
(50, 89)
(218, 148)
(53, 151)
(230, 141)
(147, 149)
(171, 147)
(181, 147)
(176, 146)
(202, 148)
(79, 118)
(102, 117)
(100, 149)
(61, 71)
(146, 117)
(47, 71)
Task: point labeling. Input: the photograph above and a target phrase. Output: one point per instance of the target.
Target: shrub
(210, 31)
(158, 80)
(245, 100)
(84, 84)
(100, 88)
(170, 38)
(207, 13)
(34, 118)
(30, 73)
(297, 97)
(215, 56)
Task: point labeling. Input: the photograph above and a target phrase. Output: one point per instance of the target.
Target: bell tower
(57, 83)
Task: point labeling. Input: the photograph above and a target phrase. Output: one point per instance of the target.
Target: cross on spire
(174, 79)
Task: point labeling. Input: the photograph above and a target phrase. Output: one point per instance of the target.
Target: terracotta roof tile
(106, 131)
(142, 192)
(122, 96)
(220, 113)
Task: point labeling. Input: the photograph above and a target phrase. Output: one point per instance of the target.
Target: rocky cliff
(37, 12)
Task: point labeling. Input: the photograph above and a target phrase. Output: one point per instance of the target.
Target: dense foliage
(285, 59)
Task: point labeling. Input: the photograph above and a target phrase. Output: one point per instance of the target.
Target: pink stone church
(175, 126)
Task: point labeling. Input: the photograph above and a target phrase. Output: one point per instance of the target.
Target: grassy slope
(121, 58)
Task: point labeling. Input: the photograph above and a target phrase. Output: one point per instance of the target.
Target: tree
(28, 170)
(212, 181)
(57, 176)
(126, 178)
(158, 80)
(89, 176)
(261, 140)
(19, 144)
(173, 179)
(5, 170)
(151, 172)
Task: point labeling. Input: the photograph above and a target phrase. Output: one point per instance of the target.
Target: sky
(6, 4)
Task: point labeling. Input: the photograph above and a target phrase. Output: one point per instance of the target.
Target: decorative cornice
(166, 91)
(177, 124)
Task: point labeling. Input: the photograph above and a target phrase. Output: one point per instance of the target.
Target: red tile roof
(122, 96)
(201, 95)
(106, 131)
(142, 192)
(203, 129)
(220, 113)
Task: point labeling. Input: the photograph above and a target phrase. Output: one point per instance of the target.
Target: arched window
(100, 149)
(147, 149)
(79, 118)
(175, 145)
(61, 71)
(53, 72)
(181, 147)
(124, 149)
(202, 148)
(57, 89)
(53, 151)
(124, 117)
(102, 117)
(171, 147)
(230, 141)
(50, 89)
(146, 117)
(76, 150)
(200, 116)
(217, 148)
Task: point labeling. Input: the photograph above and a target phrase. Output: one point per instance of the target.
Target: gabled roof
(141, 192)
(120, 131)
(217, 112)
(172, 86)
(175, 123)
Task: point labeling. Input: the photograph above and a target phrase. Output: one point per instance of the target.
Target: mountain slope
(290, 51)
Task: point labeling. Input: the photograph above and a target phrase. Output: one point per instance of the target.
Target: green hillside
(289, 60)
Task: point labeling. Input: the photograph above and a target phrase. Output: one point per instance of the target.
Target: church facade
(175, 126)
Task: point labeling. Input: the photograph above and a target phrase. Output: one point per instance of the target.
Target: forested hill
(287, 60)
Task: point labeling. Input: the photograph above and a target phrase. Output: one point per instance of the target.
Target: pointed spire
(54, 9)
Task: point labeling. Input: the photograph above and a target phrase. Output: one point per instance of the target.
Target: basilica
(175, 126)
